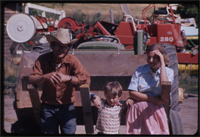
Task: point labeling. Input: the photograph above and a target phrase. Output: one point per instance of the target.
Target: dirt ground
(188, 112)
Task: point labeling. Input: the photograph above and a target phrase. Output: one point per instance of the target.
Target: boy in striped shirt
(110, 109)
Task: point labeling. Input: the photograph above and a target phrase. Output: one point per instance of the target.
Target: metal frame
(43, 9)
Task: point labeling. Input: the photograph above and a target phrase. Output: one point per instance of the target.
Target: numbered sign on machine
(166, 39)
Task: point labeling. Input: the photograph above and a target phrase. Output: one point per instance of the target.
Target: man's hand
(57, 77)
(63, 77)
(52, 77)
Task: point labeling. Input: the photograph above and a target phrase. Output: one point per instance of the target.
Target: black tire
(175, 123)
(173, 64)
(112, 38)
(41, 48)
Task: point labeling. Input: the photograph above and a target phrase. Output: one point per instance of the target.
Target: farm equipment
(101, 46)
(162, 27)
(28, 28)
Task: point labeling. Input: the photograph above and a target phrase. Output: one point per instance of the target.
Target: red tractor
(155, 30)
(162, 27)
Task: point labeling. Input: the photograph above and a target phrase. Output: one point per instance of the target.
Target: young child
(110, 110)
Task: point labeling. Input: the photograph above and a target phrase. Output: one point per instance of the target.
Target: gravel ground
(188, 112)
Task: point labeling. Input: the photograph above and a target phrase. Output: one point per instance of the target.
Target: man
(59, 72)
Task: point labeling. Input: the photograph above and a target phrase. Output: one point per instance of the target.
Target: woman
(147, 115)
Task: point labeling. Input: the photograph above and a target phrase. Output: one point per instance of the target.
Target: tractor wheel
(41, 48)
(105, 38)
(173, 64)
(176, 126)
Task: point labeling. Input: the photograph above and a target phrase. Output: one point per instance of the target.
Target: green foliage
(28, 46)
(10, 78)
(9, 88)
(188, 82)
(79, 16)
(35, 12)
(188, 11)
(51, 5)
(97, 17)
(10, 69)
(39, 13)
(118, 18)
(52, 16)
(86, 18)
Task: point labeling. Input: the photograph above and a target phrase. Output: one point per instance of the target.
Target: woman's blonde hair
(161, 49)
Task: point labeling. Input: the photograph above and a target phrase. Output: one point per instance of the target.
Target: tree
(188, 11)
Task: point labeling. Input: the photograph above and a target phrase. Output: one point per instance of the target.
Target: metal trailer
(103, 66)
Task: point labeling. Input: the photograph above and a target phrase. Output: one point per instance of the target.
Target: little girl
(110, 110)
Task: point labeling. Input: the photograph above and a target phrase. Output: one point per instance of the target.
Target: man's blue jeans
(52, 116)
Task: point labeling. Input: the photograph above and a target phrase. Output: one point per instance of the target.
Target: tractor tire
(175, 123)
(173, 64)
(105, 38)
(41, 48)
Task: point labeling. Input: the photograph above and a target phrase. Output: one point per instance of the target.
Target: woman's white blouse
(144, 81)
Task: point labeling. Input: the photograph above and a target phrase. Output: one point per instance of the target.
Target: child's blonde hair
(114, 88)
